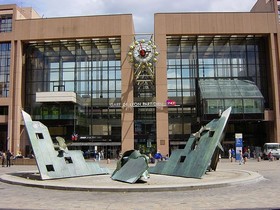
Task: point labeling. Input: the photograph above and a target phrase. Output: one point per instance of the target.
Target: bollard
(259, 159)
(108, 161)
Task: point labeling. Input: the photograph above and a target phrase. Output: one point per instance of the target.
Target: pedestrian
(229, 153)
(102, 155)
(3, 159)
(158, 156)
(152, 159)
(270, 157)
(241, 161)
(99, 156)
(245, 156)
(232, 155)
(249, 153)
(8, 157)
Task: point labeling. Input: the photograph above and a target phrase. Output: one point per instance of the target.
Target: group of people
(242, 156)
(6, 158)
(96, 155)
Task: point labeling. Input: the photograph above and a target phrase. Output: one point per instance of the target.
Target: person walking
(158, 156)
(241, 161)
(232, 155)
(8, 157)
(3, 159)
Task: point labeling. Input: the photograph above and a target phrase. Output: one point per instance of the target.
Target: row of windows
(189, 47)
(74, 85)
(81, 88)
(238, 105)
(87, 50)
(187, 60)
(224, 44)
(47, 64)
(67, 75)
(81, 64)
(215, 71)
(182, 93)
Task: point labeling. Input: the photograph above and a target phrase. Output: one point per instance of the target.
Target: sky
(142, 10)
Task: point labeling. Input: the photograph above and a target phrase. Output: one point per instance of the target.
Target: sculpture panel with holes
(201, 152)
(55, 160)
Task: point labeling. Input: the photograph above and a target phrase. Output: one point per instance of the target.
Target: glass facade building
(75, 75)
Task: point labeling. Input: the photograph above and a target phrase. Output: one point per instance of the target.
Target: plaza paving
(254, 185)
(221, 177)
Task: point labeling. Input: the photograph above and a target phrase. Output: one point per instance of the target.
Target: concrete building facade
(75, 75)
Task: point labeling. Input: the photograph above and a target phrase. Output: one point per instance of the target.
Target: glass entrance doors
(145, 129)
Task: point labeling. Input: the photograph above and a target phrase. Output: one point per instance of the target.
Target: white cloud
(143, 11)
(236, 5)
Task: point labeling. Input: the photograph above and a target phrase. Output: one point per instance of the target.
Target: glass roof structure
(222, 89)
(242, 95)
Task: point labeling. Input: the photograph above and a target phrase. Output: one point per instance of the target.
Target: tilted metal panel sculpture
(56, 161)
(200, 153)
(132, 167)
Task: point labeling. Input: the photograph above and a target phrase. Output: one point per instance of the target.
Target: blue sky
(142, 10)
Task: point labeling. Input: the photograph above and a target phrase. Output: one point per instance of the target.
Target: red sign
(74, 137)
(170, 102)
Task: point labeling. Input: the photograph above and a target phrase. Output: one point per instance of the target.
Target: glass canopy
(242, 95)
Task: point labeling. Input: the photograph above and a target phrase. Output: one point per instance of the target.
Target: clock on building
(143, 56)
(143, 53)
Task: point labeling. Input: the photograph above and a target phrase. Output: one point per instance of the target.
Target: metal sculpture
(132, 167)
(56, 161)
(200, 154)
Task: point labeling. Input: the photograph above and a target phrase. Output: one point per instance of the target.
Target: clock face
(142, 52)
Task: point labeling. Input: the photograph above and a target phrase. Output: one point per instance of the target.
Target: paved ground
(263, 194)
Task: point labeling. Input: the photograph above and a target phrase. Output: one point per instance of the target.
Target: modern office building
(95, 82)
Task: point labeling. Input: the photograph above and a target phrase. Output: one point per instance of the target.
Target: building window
(278, 6)
(6, 23)
(4, 110)
(5, 56)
